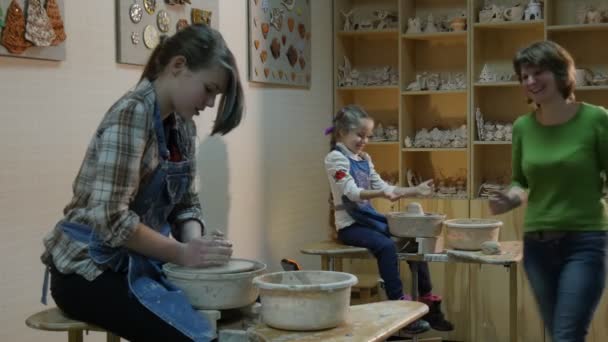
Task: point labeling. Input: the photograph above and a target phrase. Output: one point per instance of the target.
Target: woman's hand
(502, 202)
(425, 188)
(205, 251)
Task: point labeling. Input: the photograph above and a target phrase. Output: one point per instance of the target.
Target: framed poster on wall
(279, 42)
(33, 29)
(140, 23)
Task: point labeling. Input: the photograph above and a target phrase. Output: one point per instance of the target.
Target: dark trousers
(567, 272)
(107, 303)
(385, 251)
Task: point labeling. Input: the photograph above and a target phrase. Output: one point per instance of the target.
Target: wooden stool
(54, 320)
(366, 288)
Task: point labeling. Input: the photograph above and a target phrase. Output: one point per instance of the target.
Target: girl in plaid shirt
(135, 186)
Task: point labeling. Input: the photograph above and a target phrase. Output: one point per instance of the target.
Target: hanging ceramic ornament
(52, 11)
(265, 5)
(135, 38)
(163, 21)
(151, 37)
(38, 29)
(13, 35)
(150, 6)
(135, 12)
(181, 24)
(1, 17)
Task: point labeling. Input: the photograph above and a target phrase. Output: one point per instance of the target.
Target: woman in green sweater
(559, 151)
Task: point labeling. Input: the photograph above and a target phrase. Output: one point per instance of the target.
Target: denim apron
(153, 203)
(363, 212)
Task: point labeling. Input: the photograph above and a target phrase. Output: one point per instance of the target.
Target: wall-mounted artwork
(140, 23)
(279, 42)
(33, 29)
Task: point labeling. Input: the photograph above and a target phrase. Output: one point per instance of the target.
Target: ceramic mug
(515, 13)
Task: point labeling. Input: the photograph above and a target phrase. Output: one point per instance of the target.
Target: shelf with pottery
(372, 87)
(496, 99)
(370, 34)
(482, 142)
(433, 92)
(591, 62)
(497, 83)
(578, 27)
(451, 35)
(434, 102)
(510, 25)
(448, 169)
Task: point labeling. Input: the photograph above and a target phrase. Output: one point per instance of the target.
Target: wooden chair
(54, 320)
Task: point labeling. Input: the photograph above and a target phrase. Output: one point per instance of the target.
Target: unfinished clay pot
(305, 300)
(469, 234)
(217, 288)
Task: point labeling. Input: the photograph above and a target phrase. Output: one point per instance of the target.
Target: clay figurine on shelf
(407, 142)
(486, 75)
(379, 132)
(413, 25)
(459, 23)
(348, 23)
(533, 11)
(415, 85)
(345, 74)
(593, 16)
(385, 19)
(515, 13)
(430, 24)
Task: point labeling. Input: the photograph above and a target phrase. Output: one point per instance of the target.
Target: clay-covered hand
(217, 234)
(205, 252)
(391, 194)
(502, 202)
(425, 188)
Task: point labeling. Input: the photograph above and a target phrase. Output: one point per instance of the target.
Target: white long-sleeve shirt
(341, 182)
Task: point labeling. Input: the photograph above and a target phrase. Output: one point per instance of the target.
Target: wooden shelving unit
(482, 317)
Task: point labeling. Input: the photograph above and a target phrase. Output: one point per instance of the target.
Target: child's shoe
(435, 316)
(417, 327)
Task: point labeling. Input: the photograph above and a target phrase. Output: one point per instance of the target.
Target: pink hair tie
(329, 130)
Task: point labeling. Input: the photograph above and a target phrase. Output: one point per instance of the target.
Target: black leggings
(107, 303)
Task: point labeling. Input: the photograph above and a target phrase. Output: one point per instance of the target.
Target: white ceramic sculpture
(533, 11)
(430, 24)
(413, 25)
(348, 24)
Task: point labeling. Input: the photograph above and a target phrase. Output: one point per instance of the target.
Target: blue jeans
(567, 272)
(385, 251)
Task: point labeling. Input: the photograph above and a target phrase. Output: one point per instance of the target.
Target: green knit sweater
(560, 166)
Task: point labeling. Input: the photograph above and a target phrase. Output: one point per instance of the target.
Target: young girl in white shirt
(354, 181)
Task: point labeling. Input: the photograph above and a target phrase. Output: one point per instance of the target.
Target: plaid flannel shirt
(122, 154)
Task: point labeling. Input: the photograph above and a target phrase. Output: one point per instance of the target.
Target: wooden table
(332, 252)
(368, 322)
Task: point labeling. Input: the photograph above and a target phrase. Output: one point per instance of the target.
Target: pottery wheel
(233, 266)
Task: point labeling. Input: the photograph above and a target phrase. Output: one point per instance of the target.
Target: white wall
(263, 183)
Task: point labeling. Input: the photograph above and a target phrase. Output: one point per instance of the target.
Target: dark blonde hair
(346, 120)
(203, 48)
(548, 55)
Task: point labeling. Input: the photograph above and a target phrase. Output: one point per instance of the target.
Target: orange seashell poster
(280, 29)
